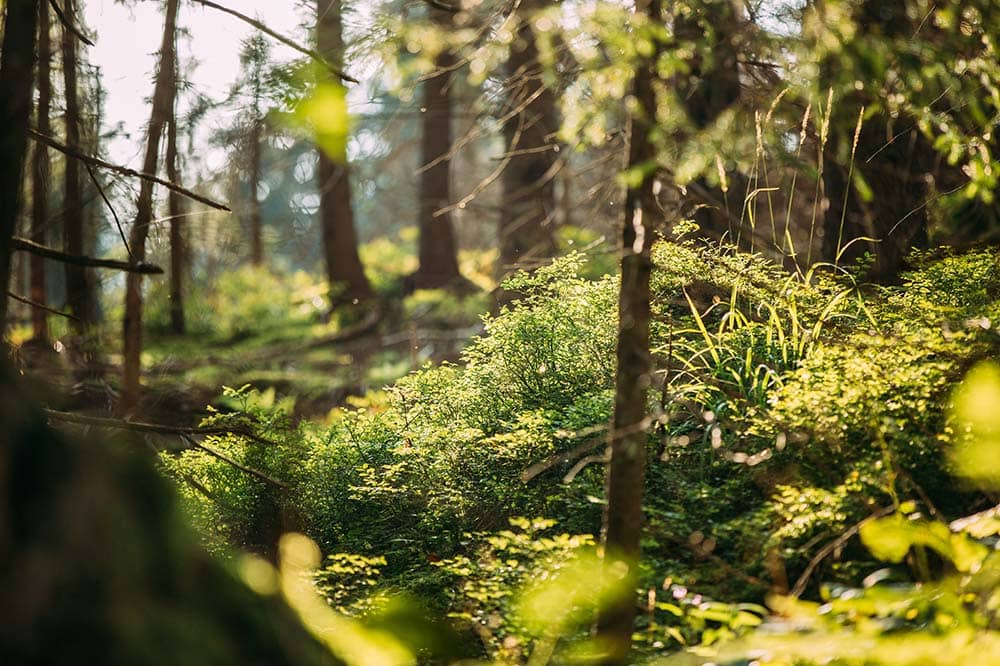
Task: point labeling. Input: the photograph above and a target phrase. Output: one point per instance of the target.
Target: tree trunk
(710, 86)
(40, 174)
(348, 282)
(627, 448)
(256, 225)
(528, 214)
(79, 295)
(437, 250)
(163, 103)
(176, 213)
(16, 64)
(890, 154)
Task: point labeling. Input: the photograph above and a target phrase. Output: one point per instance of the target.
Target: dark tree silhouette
(17, 56)
(437, 250)
(40, 174)
(527, 217)
(79, 290)
(348, 282)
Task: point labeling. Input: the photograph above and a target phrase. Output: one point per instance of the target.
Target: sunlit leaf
(975, 417)
(324, 114)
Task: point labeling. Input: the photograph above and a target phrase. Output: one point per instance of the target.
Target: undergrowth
(785, 410)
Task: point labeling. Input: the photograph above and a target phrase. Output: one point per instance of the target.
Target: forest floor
(313, 367)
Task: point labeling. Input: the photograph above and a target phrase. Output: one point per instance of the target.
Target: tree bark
(256, 134)
(890, 154)
(79, 292)
(528, 214)
(17, 57)
(176, 212)
(437, 250)
(710, 86)
(40, 174)
(162, 110)
(623, 517)
(348, 282)
(256, 224)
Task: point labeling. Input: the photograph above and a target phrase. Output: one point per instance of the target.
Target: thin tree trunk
(17, 57)
(256, 225)
(78, 279)
(623, 516)
(176, 213)
(40, 174)
(163, 104)
(348, 282)
(437, 251)
(528, 214)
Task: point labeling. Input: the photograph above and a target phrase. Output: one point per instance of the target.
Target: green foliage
(786, 410)
(241, 302)
(489, 586)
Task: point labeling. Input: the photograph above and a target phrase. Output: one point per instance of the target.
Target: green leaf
(975, 416)
(324, 113)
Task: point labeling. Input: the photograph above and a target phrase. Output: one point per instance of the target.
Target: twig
(78, 154)
(215, 453)
(139, 426)
(318, 57)
(602, 458)
(800, 584)
(118, 223)
(41, 306)
(25, 245)
(69, 24)
(560, 458)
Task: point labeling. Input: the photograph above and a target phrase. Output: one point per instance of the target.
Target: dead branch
(25, 245)
(76, 153)
(138, 426)
(560, 458)
(68, 24)
(824, 552)
(41, 306)
(215, 453)
(315, 55)
(107, 202)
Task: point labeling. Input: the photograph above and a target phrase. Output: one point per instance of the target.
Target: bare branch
(118, 223)
(68, 24)
(41, 306)
(139, 426)
(78, 154)
(215, 453)
(825, 551)
(315, 55)
(25, 245)
(186, 434)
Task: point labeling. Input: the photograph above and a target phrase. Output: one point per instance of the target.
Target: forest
(388, 332)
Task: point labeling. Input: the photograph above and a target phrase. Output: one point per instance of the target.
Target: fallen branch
(824, 552)
(76, 153)
(215, 453)
(315, 55)
(561, 458)
(41, 306)
(69, 24)
(139, 426)
(25, 245)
